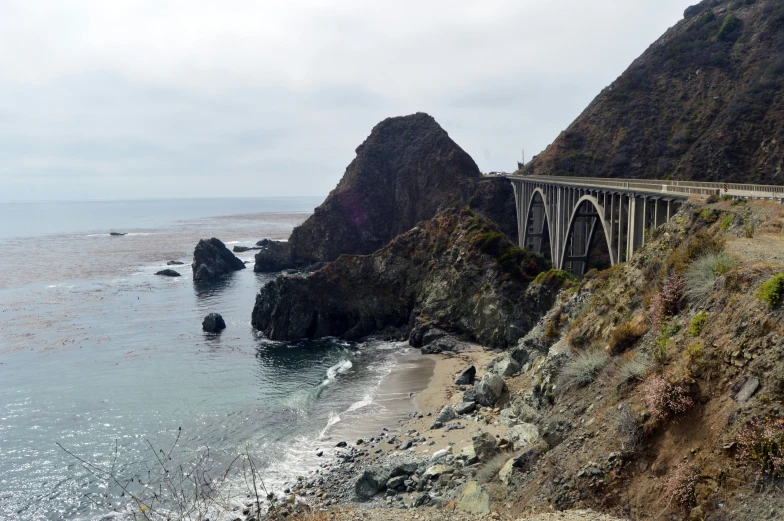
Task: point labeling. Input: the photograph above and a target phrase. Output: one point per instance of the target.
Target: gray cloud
(196, 98)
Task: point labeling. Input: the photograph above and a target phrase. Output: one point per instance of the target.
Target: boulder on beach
(212, 259)
(466, 376)
(504, 366)
(213, 323)
(447, 414)
(168, 273)
(174, 263)
(489, 390)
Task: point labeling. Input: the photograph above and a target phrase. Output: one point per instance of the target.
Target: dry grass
(582, 369)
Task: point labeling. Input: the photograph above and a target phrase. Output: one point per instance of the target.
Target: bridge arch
(537, 228)
(586, 236)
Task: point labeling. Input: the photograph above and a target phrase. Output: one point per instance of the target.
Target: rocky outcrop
(212, 259)
(404, 172)
(213, 323)
(456, 272)
(274, 256)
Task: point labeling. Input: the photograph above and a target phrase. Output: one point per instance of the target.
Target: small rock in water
(117, 234)
(341, 444)
(168, 273)
(213, 323)
(174, 263)
(319, 453)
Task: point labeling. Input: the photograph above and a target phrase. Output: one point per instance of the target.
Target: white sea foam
(341, 367)
(364, 402)
(333, 419)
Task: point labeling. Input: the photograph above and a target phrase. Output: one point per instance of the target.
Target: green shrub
(727, 222)
(582, 369)
(702, 274)
(709, 215)
(772, 290)
(661, 348)
(555, 278)
(729, 25)
(761, 442)
(698, 323)
(489, 242)
(748, 229)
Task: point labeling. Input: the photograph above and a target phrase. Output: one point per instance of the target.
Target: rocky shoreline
(441, 459)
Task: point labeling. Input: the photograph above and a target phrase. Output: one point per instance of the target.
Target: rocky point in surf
(212, 259)
(455, 272)
(404, 172)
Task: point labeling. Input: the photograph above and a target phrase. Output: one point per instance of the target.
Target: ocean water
(101, 358)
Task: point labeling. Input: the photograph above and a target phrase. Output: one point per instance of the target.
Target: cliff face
(455, 271)
(404, 172)
(704, 102)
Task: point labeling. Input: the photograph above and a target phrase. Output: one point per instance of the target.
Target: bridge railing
(667, 186)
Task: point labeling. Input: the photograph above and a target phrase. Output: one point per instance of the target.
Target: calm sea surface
(97, 353)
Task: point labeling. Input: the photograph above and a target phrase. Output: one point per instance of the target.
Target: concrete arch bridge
(582, 221)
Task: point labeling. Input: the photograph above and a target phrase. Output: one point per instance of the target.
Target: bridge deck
(681, 189)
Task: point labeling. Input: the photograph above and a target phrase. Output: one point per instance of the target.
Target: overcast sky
(119, 99)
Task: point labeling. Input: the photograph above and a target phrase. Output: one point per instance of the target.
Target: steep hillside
(704, 102)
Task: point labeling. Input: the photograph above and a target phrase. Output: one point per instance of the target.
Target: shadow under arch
(537, 226)
(586, 225)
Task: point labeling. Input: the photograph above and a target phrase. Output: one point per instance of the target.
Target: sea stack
(212, 259)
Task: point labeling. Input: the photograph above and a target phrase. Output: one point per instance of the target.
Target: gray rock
(466, 376)
(519, 412)
(465, 407)
(485, 446)
(263, 242)
(524, 434)
(371, 482)
(174, 263)
(168, 273)
(469, 455)
(421, 500)
(505, 366)
(436, 425)
(446, 343)
(396, 482)
(489, 390)
(747, 391)
(474, 499)
(212, 259)
(435, 471)
(242, 249)
(527, 459)
(274, 256)
(469, 395)
(447, 414)
(213, 323)
(440, 456)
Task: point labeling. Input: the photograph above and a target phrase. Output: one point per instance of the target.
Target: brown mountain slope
(704, 102)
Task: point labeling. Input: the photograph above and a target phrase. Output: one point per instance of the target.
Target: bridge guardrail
(667, 186)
